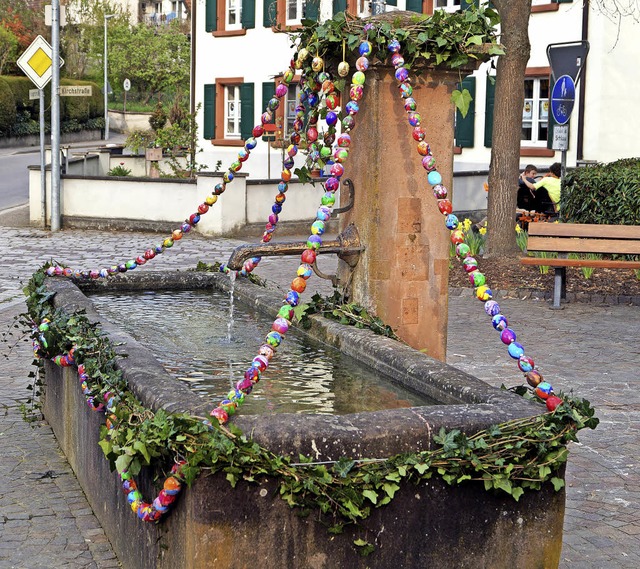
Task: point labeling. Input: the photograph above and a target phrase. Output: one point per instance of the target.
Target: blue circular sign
(563, 97)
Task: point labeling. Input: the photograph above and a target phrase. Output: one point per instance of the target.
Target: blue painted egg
(434, 178)
(515, 350)
(499, 322)
(451, 221)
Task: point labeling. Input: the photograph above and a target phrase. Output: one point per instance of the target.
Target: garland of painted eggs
(281, 324)
(543, 389)
(227, 407)
(146, 511)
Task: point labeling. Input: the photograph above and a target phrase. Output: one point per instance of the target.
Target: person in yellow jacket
(547, 190)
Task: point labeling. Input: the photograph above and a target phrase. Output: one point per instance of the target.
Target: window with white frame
(233, 15)
(295, 11)
(535, 113)
(448, 5)
(291, 102)
(232, 111)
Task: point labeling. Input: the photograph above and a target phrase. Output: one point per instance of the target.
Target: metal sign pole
(43, 164)
(55, 116)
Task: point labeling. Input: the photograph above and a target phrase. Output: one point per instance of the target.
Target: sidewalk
(592, 350)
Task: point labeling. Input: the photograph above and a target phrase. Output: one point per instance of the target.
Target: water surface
(200, 341)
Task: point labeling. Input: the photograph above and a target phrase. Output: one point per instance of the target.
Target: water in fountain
(306, 376)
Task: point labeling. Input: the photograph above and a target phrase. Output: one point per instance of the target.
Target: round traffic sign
(126, 84)
(563, 97)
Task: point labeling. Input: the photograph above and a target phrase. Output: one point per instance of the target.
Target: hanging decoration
(319, 98)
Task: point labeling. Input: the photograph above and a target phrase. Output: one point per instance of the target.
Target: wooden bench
(565, 238)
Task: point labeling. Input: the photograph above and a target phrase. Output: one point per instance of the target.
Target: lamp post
(106, 82)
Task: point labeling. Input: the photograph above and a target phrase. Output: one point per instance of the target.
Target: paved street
(45, 520)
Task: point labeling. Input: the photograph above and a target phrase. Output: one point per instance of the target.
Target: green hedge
(604, 193)
(20, 116)
(7, 108)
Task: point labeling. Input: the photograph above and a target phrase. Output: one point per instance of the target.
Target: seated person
(547, 190)
(526, 197)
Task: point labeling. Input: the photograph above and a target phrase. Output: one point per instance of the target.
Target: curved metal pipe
(346, 245)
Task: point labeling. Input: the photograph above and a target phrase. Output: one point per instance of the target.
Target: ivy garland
(511, 457)
(451, 39)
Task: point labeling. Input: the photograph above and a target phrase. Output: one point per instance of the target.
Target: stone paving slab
(592, 350)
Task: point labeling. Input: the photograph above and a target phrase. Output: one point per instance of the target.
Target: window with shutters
(228, 111)
(289, 13)
(535, 113)
(230, 17)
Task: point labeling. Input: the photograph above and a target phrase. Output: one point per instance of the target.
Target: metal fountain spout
(346, 246)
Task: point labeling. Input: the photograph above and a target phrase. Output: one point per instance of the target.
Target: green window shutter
(392, 2)
(268, 92)
(339, 6)
(414, 6)
(270, 13)
(209, 116)
(248, 16)
(246, 110)
(488, 115)
(312, 10)
(211, 16)
(562, 1)
(465, 132)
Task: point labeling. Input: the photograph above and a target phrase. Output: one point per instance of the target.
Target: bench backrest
(584, 238)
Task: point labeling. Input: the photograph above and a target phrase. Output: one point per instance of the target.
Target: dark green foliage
(158, 118)
(21, 115)
(604, 193)
(7, 108)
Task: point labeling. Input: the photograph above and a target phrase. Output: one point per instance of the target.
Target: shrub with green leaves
(7, 107)
(604, 193)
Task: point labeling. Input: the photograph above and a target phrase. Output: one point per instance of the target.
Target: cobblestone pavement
(592, 350)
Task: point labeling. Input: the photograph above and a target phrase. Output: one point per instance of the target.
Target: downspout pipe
(583, 88)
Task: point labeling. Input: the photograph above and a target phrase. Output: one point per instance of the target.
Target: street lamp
(106, 82)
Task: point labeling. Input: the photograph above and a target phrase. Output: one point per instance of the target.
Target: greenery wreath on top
(451, 39)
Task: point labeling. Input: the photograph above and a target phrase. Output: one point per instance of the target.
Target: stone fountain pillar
(402, 276)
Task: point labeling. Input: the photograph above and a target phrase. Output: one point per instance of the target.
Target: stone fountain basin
(213, 525)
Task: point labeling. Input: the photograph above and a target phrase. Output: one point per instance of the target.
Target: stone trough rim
(402, 430)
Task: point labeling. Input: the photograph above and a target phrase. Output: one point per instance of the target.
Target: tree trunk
(507, 126)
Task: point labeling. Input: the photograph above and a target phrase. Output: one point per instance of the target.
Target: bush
(7, 107)
(159, 117)
(604, 193)
(20, 116)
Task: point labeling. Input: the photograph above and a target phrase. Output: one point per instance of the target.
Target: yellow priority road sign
(37, 62)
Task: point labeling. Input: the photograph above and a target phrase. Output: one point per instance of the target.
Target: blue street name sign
(563, 98)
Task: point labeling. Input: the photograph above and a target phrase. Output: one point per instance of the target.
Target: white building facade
(237, 54)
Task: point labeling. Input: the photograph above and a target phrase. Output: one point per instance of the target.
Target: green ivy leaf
(462, 100)
(390, 489)
(558, 483)
(371, 495)
(122, 463)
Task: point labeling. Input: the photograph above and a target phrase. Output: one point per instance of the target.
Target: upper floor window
(295, 11)
(535, 113)
(233, 15)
